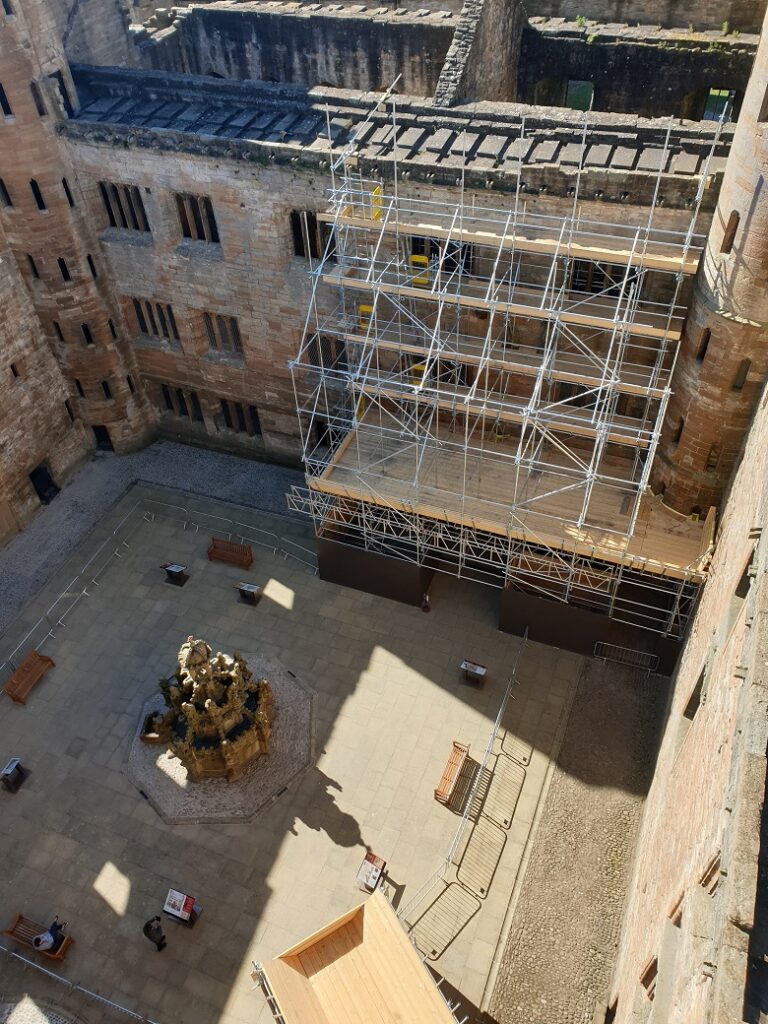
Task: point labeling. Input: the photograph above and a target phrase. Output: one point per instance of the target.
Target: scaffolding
(481, 389)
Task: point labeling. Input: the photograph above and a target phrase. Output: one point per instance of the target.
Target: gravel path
(31, 557)
(557, 963)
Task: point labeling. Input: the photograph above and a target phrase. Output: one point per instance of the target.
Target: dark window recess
(696, 699)
(596, 278)
(67, 191)
(196, 217)
(167, 397)
(131, 385)
(58, 330)
(763, 115)
(41, 480)
(156, 320)
(706, 334)
(79, 387)
(678, 431)
(5, 106)
(87, 334)
(107, 390)
(730, 232)
(91, 266)
(33, 266)
(197, 412)
(68, 407)
(124, 206)
(240, 413)
(112, 328)
(64, 269)
(37, 194)
(223, 333)
(327, 351)
(648, 978)
(712, 458)
(255, 422)
(8, 7)
(226, 414)
(719, 105)
(310, 237)
(182, 403)
(37, 98)
(5, 195)
(15, 370)
(63, 91)
(741, 374)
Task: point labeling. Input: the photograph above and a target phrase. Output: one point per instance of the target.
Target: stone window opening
(710, 879)
(197, 218)
(112, 328)
(676, 913)
(8, 7)
(58, 78)
(763, 115)
(38, 195)
(5, 106)
(79, 387)
(131, 385)
(223, 333)
(68, 407)
(33, 266)
(166, 392)
(5, 195)
(58, 330)
(67, 192)
(730, 232)
(695, 700)
(156, 320)
(704, 337)
(596, 278)
(325, 350)
(311, 238)
(86, 330)
(91, 266)
(678, 431)
(181, 404)
(713, 458)
(64, 269)
(611, 1011)
(197, 412)
(233, 414)
(124, 206)
(15, 372)
(741, 375)
(37, 98)
(648, 978)
(107, 390)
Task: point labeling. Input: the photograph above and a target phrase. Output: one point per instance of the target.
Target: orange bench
(24, 929)
(29, 672)
(230, 551)
(459, 754)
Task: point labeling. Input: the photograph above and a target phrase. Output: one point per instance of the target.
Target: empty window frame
(223, 333)
(181, 404)
(156, 320)
(197, 412)
(704, 338)
(5, 195)
(33, 266)
(68, 407)
(697, 697)
(5, 106)
(124, 206)
(678, 431)
(166, 393)
(87, 336)
(91, 266)
(15, 370)
(648, 978)
(327, 351)
(710, 879)
(79, 387)
(58, 330)
(64, 269)
(129, 382)
(107, 390)
(310, 237)
(112, 328)
(38, 195)
(741, 375)
(713, 459)
(58, 78)
(67, 191)
(8, 7)
(235, 418)
(730, 232)
(196, 217)
(595, 278)
(37, 99)
(719, 105)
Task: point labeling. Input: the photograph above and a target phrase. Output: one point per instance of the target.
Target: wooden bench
(24, 929)
(29, 672)
(459, 755)
(230, 551)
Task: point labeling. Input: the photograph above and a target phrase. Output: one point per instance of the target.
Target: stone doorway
(41, 480)
(103, 440)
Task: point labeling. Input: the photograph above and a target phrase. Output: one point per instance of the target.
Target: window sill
(192, 247)
(128, 236)
(225, 358)
(157, 344)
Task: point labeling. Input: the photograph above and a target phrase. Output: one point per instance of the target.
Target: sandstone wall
(743, 15)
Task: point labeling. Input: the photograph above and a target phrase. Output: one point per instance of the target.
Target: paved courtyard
(81, 841)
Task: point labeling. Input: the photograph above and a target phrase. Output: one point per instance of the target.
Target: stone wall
(35, 426)
(482, 63)
(363, 49)
(705, 802)
(633, 70)
(742, 15)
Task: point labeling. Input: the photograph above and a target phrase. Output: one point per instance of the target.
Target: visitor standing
(153, 930)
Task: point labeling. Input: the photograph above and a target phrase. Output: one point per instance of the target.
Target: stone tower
(724, 358)
(44, 219)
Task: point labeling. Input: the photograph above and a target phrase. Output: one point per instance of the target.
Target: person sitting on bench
(51, 939)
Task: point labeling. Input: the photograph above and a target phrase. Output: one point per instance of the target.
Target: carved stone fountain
(219, 719)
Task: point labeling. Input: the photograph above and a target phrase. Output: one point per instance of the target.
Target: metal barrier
(626, 656)
(439, 873)
(72, 987)
(144, 510)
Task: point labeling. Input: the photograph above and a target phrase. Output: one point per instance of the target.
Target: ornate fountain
(219, 718)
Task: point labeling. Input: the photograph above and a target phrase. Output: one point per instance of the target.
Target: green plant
(591, 39)
(581, 21)
(735, 33)
(726, 28)
(690, 27)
